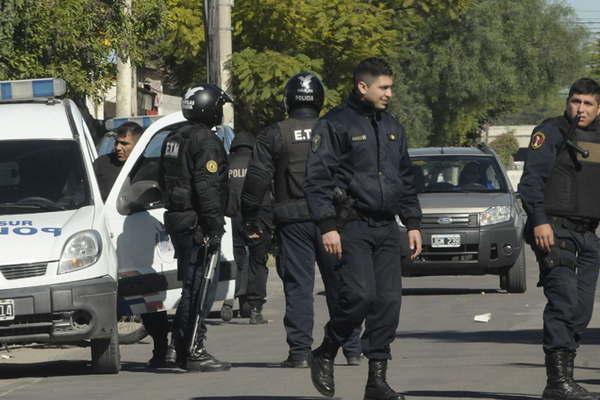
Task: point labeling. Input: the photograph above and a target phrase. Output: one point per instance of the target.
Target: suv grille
(449, 220)
(23, 270)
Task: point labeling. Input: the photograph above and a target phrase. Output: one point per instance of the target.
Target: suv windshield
(41, 176)
(441, 174)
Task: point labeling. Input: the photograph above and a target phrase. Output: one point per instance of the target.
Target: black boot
(560, 384)
(256, 317)
(377, 387)
(201, 360)
(161, 353)
(321, 367)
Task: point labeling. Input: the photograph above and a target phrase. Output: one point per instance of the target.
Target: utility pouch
(562, 254)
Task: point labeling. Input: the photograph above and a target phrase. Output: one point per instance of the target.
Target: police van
(58, 271)
(65, 254)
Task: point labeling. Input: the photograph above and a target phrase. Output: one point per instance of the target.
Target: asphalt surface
(440, 353)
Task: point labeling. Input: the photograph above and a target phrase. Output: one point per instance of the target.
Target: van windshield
(440, 174)
(42, 176)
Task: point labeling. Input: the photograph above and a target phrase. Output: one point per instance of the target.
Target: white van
(58, 271)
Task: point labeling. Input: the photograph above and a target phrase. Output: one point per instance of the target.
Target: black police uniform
(363, 152)
(279, 156)
(193, 171)
(557, 188)
(250, 255)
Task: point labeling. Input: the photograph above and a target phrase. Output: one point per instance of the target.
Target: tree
(40, 38)
(491, 60)
(505, 146)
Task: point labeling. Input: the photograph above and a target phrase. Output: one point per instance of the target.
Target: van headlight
(495, 215)
(81, 250)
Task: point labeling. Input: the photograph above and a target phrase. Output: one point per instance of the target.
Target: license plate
(7, 310)
(441, 241)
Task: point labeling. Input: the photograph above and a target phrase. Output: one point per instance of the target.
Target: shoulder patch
(315, 143)
(537, 140)
(212, 166)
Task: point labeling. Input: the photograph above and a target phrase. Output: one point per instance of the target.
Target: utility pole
(125, 78)
(217, 27)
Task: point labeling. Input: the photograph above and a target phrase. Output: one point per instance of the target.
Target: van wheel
(106, 358)
(515, 279)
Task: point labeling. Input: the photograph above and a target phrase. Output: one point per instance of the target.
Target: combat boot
(162, 354)
(560, 384)
(321, 367)
(256, 317)
(377, 387)
(201, 360)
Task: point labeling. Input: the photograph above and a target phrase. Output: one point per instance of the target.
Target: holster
(344, 207)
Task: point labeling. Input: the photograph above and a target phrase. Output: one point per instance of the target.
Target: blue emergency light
(31, 89)
(142, 120)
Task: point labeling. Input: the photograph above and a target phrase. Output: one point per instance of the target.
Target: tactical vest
(176, 178)
(290, 204)
(571, 190)
(238, 165)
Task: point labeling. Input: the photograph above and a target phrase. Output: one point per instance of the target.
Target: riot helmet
(204, 104)
(303, 90)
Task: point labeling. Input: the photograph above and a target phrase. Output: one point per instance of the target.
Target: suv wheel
(514, 280)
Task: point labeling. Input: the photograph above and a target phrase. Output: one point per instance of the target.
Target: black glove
(213, 242)
(251, 228)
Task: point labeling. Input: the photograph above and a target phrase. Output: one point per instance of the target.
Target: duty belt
(575, 224)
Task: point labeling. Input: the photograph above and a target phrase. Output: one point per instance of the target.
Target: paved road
(441, 353)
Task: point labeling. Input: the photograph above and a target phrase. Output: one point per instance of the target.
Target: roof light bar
(31, 89)
(142, 120)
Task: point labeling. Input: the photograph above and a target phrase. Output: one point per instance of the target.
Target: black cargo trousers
(568, 274)
(191, 266)
(370, 286)
(299, 247)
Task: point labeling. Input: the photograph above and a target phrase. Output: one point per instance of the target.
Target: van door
(134, 215)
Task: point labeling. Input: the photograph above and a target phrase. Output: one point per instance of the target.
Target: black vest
(572, 190)
(290, 204)
(238, 165)
(176, 178)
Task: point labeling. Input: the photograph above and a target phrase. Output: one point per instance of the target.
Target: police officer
(250, 255)
(563, 213)
(359, 164)
(280, 156)
(193, 176)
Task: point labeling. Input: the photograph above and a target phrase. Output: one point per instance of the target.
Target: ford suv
(472, 219)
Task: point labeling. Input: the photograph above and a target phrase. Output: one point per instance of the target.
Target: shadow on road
(447, 291)
(130, 366)
(260, 398)
(470, 395)
(524, 336)
(256, 365)
(45, 369)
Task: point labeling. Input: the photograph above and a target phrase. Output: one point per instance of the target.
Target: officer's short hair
(370, 68)
(132, 128)
(585, 86)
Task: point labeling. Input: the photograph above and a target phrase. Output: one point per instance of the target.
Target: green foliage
(40, 38)
(505, 146)
(275, 40)
(492, 60)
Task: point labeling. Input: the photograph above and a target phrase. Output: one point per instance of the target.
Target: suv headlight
(81, 250)
(495, 215)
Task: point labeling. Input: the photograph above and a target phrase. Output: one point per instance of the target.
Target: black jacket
(364, 152)
(107, 169)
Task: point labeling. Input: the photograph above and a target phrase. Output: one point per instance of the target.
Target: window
(458, 174)
(42, 176)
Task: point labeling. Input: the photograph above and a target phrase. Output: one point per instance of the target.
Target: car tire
(131, 330)
(514, 279)
(106, 358)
